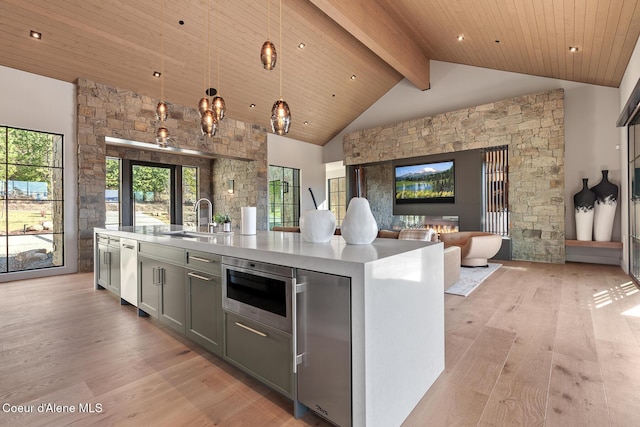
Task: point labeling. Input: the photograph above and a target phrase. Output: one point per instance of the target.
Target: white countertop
(279, 247)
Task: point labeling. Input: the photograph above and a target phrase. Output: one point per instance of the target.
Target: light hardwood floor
(535, 344)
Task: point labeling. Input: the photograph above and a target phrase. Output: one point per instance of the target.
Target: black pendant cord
(313, 198)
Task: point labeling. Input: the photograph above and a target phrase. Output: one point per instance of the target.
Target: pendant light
(203, 104)
(218, 106)
(280, 113)
(162, 134)
(268, 54)
(208, 120)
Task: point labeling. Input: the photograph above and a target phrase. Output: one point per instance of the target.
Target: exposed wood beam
(370, 24)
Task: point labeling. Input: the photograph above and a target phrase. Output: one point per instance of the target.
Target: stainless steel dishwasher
(129, 271)
(323, 335)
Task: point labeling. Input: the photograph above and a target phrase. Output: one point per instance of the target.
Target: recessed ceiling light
(301, 45)
(35, 35)
(252, 105)
(157, 74)
(353, 76)
(460, 37)
(306, 123)
(573, 49)
(181, 22)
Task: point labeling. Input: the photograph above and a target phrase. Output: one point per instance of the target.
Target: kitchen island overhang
(397, 306)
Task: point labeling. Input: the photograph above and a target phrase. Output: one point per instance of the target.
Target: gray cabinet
(172, 308)
(148, 286)
(161, 284)
(264, 352)
(204, 300)
(108, 263)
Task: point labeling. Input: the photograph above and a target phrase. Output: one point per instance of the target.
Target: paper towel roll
(248, 220)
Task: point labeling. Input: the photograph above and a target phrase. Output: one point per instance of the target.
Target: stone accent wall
(378, 181)
(533, 128)
(107, 111)
(245, 192)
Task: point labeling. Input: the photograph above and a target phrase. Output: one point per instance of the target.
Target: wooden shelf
(593, 244)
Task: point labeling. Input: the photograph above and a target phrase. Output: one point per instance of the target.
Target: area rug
(470, 278)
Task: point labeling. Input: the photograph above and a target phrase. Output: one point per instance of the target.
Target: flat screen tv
(425, 183)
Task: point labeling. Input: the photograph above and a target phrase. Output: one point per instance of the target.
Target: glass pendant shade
(268, 55)
(280, 117)
(218, 107)
(203, 105)
(208, 123)
(161, 111)
(162, 136)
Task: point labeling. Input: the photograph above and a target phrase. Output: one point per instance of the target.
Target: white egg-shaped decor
(317, 226)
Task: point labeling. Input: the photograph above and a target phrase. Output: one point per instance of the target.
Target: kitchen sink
(184, 233)
(192, 234)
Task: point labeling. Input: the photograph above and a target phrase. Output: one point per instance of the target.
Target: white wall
(292, 153)
(591, 112)
(39, 103)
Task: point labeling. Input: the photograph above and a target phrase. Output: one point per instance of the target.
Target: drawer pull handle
(255, 331)
(197, 276)
(128, 246)
(196, 258)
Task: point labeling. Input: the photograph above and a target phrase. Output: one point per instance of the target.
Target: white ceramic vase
(605, 208)
(317, 226)
(584, 224)
(359, 227)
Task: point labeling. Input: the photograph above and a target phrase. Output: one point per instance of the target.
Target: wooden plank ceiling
(117, 42)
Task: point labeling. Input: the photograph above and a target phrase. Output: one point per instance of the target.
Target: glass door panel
(634, 201)
(284, 196)
(112, 193)
(189, 195)
(634, 258)
(151, 188)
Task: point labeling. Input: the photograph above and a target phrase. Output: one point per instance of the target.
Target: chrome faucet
(196, 208)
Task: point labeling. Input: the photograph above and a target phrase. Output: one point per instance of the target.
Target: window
(189, 194)
(496, 190)
(145, 193)
(338, 198)
(284, 196)
(112, 193)
(31, 196)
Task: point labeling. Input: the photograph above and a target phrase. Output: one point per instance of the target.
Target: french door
(151, 194)
(634, 201)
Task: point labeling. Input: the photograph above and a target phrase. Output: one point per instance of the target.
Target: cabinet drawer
(102, 239)
(162, 252)
(105, 239)
(262, 351)
(203, 261)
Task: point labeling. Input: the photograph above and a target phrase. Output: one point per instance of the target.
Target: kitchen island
(396, 306)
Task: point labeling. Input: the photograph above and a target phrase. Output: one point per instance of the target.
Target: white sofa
(476, 246)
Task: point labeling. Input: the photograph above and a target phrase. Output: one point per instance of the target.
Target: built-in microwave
(259, 291)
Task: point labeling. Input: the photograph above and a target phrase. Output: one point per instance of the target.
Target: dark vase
(606, 192)
(584, 200)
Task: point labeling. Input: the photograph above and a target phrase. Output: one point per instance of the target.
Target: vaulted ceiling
(354, 51)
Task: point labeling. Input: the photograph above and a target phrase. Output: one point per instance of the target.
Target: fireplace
(441, 224)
